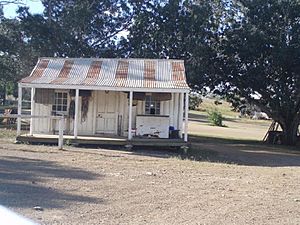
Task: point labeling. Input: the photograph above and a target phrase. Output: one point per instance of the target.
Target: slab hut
(117, 97)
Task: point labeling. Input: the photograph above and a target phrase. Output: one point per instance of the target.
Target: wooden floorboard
(91, 140)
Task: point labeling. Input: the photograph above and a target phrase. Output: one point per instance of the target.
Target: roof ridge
(94, 58)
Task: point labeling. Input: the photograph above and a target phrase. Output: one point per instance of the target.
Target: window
(151, 106)
(61, 103)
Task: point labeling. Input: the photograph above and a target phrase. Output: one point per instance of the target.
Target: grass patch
(224, 108)
(7, 133)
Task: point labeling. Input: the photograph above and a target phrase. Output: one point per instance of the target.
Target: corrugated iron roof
(122, 73)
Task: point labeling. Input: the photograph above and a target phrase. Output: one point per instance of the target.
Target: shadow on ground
(198, 118)
(230, 151)
(242, 152)
(21, 183)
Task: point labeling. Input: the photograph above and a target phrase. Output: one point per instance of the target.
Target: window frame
(156, 106)
(60, 106)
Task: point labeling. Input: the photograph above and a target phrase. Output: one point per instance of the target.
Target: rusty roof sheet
(118, 73)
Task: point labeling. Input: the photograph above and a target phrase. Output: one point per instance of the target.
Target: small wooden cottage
(142, 98)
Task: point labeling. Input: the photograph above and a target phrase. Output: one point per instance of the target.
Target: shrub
(194, 101)
(215, 118)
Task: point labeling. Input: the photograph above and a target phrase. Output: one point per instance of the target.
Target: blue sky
(35, 6)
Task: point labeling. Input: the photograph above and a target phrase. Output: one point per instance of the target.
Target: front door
(106, 116)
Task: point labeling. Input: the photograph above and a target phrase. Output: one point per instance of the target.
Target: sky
(35, 6)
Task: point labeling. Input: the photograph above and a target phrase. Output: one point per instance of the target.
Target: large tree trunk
(290, 129)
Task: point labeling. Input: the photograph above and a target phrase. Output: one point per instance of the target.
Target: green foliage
(68, 142)
(215, 118)
(194, 101)
(12, 50)
(179, 29)
(9, 46)
(76, 28)
(1, 12)
(261, 59)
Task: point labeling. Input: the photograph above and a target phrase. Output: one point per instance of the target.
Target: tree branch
(7, 2)
(100, 42)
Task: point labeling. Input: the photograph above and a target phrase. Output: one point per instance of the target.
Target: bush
(215, 118)
(194, 101)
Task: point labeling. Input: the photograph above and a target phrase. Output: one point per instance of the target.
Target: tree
(240, 48)
(16, 56)
(75, 28)
(260, 55)
(7, 2)
(1, 12)
(182, 29)
(11, 66)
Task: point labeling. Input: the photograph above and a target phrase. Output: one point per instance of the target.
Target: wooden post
(180, 116)
(61, 133)
(186, 119)
(130, 115)
(95, 105)
(76, 114)
(172, 110)
(19, 110)
(176, 108)
(32, 110)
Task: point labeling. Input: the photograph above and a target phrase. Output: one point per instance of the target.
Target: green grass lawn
(235, 128)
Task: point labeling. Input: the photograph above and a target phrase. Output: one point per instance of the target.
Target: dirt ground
(229, 183)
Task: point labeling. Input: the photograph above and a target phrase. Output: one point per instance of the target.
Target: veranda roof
(108, 74)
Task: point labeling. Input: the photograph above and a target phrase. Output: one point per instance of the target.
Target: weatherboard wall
(88, 126)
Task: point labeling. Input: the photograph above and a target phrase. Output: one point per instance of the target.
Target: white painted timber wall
(88, 127)
(42, 125)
